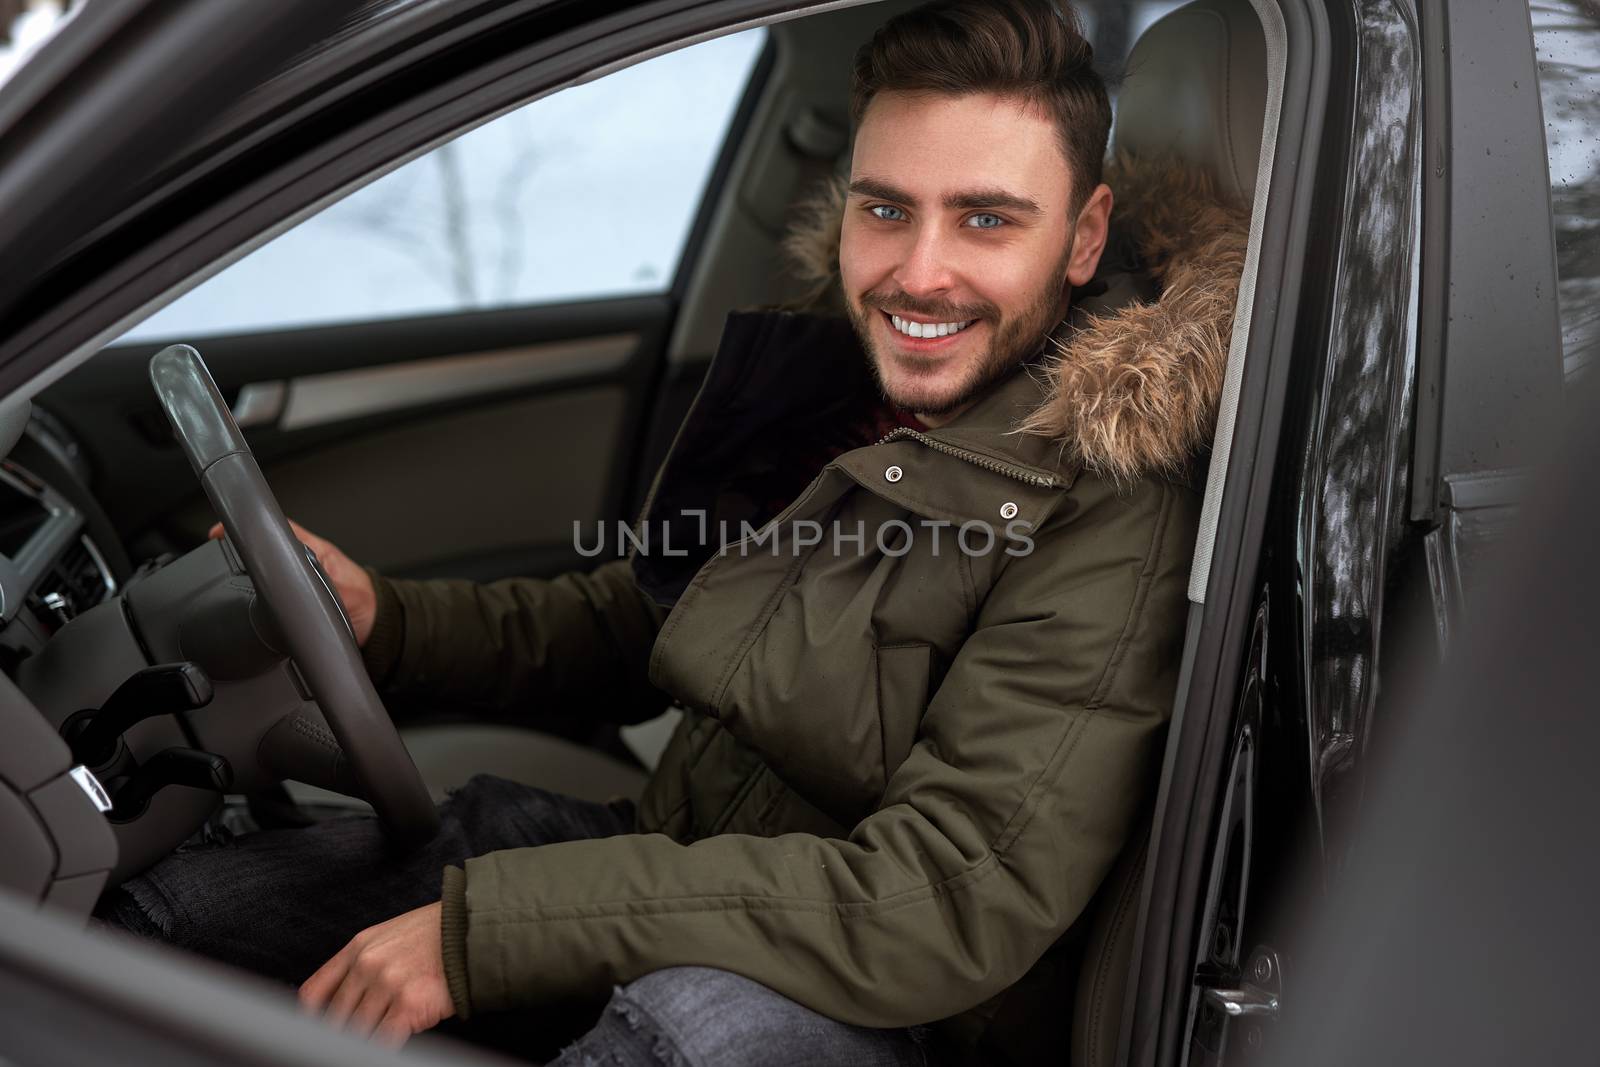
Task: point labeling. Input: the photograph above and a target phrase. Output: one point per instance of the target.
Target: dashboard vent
(77, 582)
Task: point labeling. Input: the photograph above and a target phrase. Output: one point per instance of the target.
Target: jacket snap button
(1008, 510)
(894, 474)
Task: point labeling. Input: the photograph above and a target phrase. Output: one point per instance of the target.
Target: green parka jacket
(924, 702)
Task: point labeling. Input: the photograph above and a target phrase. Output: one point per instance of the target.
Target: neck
(933, 422)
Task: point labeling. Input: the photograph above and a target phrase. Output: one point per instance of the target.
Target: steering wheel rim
(312, 623)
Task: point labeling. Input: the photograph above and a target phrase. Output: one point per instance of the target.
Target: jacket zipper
(1021, 474)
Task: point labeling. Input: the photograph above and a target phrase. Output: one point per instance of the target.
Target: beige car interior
(1201, 84)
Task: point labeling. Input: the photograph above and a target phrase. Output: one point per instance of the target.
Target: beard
(1015, 339)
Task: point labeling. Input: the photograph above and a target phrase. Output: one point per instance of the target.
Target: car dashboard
(140, 696)
(51, 569)
(60, 848)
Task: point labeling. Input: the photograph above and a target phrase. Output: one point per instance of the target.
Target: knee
(650, 1021)
(702, 1015)
(706, 1017)
(689, 995)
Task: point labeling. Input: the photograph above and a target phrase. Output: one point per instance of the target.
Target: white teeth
(928, 329)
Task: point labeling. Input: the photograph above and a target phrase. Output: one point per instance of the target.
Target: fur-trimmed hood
(1134, 390)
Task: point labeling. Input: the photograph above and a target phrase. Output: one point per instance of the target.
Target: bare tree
(457, 235)
(440, 225)
(508, 209)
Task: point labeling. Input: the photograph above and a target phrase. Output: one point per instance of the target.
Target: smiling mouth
(926, 332)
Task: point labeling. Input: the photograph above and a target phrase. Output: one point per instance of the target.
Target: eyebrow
(966, 200)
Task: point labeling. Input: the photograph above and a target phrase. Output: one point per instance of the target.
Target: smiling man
(965, 237)
(925, 677)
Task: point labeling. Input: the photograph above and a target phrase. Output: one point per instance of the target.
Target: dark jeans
(282, 902)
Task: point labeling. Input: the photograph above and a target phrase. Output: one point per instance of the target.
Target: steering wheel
(312, 624)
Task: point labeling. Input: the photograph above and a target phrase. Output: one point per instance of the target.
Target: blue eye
(985, 222)
(887, 212)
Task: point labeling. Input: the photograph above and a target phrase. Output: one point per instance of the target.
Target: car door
(1428, 367)
(1489, 352)
(451, 369)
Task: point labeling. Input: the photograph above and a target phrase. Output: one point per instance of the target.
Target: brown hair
(1032, 49)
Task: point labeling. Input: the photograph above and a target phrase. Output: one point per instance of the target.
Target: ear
(1089, 239)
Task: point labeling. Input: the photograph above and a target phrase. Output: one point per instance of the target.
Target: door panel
(479, 482)
(463, 445)
(318, 399)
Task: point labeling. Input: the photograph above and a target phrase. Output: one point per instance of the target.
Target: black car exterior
(1405, 356)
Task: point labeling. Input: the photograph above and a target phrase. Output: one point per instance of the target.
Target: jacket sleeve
(580, 640)
(1031, 761)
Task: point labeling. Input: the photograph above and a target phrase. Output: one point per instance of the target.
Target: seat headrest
(1196, 87)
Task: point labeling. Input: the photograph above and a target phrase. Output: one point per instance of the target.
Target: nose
(926, 270)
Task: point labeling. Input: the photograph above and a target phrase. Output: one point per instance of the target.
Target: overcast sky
(587, 192)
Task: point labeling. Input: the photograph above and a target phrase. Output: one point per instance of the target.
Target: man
(927, 658)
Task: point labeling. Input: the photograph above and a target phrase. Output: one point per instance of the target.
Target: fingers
(317, 990)
(375, 1005)
(387, 983)
(346, 998)
(319, 545)
(393, 1029)
(367, 1009)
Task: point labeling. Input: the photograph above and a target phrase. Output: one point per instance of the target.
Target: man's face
(960, 243)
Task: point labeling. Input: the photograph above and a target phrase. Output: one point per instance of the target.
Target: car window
(24, 27)
(589, 192)
(1566, 38)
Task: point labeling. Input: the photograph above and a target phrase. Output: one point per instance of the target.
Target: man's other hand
(352, 583)
(388, 982)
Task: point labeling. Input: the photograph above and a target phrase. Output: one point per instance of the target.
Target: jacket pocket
(905, 676)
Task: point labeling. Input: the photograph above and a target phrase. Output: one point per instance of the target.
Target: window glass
(587, 193)
(1566, 38)
(25, 25)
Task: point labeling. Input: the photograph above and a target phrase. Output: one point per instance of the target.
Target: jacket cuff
(453, 938)
(388, 637)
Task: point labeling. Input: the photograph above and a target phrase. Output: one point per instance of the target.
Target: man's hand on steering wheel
(351, 582)
(298, 597)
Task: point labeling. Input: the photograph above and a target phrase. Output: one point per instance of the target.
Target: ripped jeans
(280, 903)
(702, 1017)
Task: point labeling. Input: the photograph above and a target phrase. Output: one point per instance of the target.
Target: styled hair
(1033, 50)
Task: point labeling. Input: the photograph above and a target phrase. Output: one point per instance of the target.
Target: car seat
(1195, 89)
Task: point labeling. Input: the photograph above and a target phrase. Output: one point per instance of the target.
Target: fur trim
(812, 243)
(1136, 390)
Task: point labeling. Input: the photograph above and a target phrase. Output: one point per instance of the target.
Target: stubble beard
(1015, 340)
